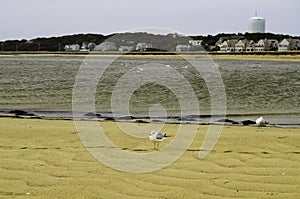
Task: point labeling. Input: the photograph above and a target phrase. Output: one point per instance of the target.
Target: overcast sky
(27, 19)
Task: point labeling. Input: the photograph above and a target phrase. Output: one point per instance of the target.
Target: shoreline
(267, 56)
(283, 120)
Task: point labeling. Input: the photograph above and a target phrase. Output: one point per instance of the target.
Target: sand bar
(46, 159)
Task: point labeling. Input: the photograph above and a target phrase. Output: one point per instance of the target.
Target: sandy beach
(291, 57)
(46, 159)
(250, 56)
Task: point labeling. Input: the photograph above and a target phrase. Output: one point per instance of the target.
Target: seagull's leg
(260, 128)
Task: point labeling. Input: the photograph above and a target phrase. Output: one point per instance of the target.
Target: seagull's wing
(258, 120)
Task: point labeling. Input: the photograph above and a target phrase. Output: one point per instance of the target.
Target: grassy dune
(45, 159)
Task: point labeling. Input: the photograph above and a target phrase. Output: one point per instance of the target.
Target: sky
(28, 19)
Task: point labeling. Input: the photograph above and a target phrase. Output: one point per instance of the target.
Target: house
(228, 45)
(183, 48)
(224, 46)
(284, 45)
(106, 46)
(260, 45)
(272, 44)
(84, 47)
(220, 41)
(250, 46)
(295, 44)
(72, 47)
(289, 44)
(143, 46)
(240, 46)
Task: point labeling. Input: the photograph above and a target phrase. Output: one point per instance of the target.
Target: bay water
(44, 84)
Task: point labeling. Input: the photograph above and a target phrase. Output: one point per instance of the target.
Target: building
(234, 45)
(240, 46)
(183, 48)
(143, 46)
(260, 45)
(284, 45)
(228, 45)
(72, 48)
(224, 46)
(250, 46)
(289, 44)
(84, 47)
(257, 25)
(272, 44)
(295, 44)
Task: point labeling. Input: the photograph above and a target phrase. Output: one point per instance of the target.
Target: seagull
(260, 122)
(156, 138)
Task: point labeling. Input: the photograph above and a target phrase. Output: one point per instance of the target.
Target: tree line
(50, 44)
(58, 43)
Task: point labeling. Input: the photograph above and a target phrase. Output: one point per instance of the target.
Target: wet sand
(46, 159)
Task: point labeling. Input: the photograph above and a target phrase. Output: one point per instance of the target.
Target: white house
(72, 47)
(284, 45)
(240, 46)
(289, 44)
(228, 45)
(251, 45)
(224, 46)
(260, 45)
(143, 46)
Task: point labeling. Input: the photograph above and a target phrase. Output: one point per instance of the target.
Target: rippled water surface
(252, 87)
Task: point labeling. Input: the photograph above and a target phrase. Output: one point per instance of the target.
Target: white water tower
(257, 25)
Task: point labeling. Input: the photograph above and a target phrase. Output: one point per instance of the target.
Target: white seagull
(260, 122)
(156, 138)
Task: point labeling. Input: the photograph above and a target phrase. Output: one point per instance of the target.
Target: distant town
(223, 45)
